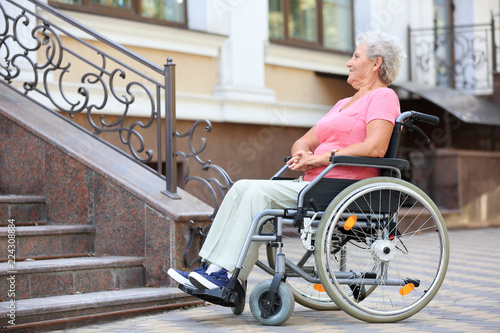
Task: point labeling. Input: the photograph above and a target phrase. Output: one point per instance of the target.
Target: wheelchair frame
(376, 243)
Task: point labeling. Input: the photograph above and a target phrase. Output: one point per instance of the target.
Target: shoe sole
(179, 278)
(200, 282)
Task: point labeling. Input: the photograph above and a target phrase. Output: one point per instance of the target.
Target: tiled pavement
(468, 301)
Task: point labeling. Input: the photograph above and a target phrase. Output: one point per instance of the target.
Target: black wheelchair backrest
(407, 119)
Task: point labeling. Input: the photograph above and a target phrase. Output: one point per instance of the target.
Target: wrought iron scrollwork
(461, 57)
(38, 60)
(216, 185)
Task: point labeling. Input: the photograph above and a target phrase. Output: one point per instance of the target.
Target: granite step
(47, 242)
(54, 277)
(60, 312)
(23, 210)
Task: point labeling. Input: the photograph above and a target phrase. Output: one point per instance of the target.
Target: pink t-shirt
(341, 128)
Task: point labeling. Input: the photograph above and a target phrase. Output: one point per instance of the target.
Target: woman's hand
(294, 162)
(306, 160)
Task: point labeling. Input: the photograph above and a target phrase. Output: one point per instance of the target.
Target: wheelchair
(375, 248)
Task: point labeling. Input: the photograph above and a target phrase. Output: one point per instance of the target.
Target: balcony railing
(462, 57)
(75, 72)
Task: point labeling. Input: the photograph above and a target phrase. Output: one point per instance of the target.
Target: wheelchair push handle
(408, 118)
(426, 118)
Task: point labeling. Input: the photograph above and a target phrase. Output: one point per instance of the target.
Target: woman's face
(361, 68)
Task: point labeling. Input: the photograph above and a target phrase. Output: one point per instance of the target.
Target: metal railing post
(493, 45)
(408, 37)
(170, 132)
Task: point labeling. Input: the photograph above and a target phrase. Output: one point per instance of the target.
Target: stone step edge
(61, 265)
(42, 230)
(82, 308)
(15, 198)
(24, 224)
(47, 257)
(65, 303)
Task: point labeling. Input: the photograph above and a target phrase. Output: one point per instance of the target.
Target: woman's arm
(308, 142)
(378, 134)
(303, 147)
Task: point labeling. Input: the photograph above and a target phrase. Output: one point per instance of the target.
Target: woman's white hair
(389, 48)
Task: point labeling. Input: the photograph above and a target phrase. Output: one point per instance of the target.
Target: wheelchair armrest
(370, 162)
(278, 174)
(373, 162)
(393, 164)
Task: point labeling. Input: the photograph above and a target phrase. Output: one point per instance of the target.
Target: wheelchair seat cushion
(326, 190)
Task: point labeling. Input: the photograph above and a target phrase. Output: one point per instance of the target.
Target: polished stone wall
(87, 182)
(465, 184)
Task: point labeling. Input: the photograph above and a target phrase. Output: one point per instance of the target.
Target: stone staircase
(59, 281)
(94, 235)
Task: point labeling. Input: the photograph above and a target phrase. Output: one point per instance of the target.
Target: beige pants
(230, 227)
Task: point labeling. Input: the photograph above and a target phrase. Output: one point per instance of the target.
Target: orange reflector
(406, 289)
(351, 221)
(319, 287)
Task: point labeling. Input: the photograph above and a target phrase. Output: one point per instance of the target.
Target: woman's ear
(378, 63)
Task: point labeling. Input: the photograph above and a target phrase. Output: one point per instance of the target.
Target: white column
(241, 60)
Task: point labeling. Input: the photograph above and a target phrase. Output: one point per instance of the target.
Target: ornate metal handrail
(463, 57)
(70, 76)
(218, 185)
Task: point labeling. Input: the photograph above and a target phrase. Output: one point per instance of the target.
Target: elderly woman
(357, 126)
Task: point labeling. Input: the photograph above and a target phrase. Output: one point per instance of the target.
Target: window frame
(319, 45)
(121, 13)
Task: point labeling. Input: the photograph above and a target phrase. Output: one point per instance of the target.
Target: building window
(172, 12)
(321, 24)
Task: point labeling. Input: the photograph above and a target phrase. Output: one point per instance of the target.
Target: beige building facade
(263, 72)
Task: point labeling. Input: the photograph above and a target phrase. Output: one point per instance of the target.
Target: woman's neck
(371, 86)
(368, 83)
(366, 89)
(361, 92)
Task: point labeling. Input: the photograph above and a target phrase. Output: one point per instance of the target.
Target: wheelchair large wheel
(382, 250)
(281, 309)
(309, 294)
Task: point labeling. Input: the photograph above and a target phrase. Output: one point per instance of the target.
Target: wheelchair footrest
(220, 296)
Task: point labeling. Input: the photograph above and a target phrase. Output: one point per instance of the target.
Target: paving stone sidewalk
(468, 301)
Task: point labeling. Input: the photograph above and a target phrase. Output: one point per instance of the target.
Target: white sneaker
(202, 280)
(180, 276)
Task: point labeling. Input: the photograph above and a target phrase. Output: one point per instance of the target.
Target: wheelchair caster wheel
(237, 310)
(282, 307)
